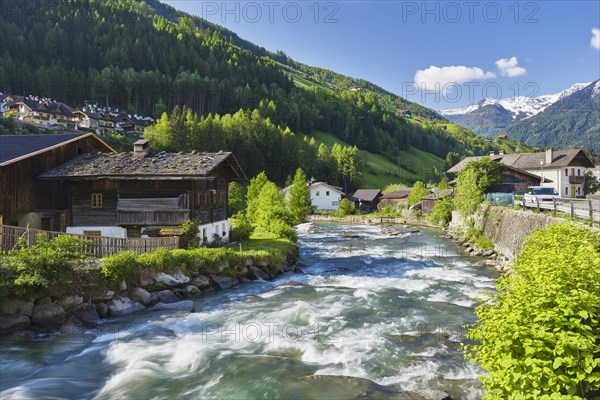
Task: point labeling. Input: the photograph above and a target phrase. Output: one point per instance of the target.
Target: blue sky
(499, 48)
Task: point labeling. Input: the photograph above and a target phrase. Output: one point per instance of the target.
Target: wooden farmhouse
(119, 195)
(27, 201)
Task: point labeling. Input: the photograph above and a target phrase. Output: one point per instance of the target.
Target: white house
(323, 195)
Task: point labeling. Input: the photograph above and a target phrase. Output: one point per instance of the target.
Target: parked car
(541, 194)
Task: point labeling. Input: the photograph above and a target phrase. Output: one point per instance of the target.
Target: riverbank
(158, 287)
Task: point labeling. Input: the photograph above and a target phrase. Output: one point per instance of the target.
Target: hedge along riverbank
(41, 290)
(539, 336)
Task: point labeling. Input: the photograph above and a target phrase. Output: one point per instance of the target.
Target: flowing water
(373, 316)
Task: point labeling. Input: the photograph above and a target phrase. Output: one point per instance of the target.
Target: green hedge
(539, 337)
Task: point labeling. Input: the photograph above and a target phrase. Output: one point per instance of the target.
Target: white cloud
(595, 42)
(508, 67)
(440, 78)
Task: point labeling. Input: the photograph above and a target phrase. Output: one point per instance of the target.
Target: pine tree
(256, 185)
(299, 203)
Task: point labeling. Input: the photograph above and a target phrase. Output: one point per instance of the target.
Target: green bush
(48, 263)
(240, 227)
(538, 337)
(189, 237)
(160, 259)
(346, 207)
(476, 237)
(442, 211)
(120, 267)
(283, 230)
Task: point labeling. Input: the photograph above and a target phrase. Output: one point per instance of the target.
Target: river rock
(256, 273)
(46, 315)
(166, 281)
(17, 306)
(433, 394)
(12, 323)
(298, 270)
(201, 281)
(87, 313)
(102, 310)
(146, 281)
(70, 302)
(124, 306)
(223, 282)
(43, 300)
(489, 253)
(166, 296)
(106, 296)
(185, 305)
(193, 291)
(141, 296)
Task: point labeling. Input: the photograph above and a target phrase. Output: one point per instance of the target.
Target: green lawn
(381, 171)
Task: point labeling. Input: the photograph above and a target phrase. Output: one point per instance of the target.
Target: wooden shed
(24, 199)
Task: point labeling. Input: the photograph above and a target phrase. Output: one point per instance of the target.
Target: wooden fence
(99, 246)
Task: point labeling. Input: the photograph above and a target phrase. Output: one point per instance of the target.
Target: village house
(121, 195)
(26, 201)
(428, 202)
(323, 196)
(366, 200)
(40, 111)
(395, 198)
(564, 170)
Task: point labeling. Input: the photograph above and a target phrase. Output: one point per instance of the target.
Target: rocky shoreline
(26, 318)
(497, 261)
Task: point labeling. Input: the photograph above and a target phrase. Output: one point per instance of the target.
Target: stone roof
(438, 195)
(125, 165)
(398, 194)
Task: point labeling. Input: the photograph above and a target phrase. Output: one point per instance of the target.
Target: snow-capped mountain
(521, 107)
(570, 118)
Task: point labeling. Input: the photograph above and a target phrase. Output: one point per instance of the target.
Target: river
(374, 316)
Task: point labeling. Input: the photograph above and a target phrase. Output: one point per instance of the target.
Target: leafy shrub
(476, 237)
(283, 230)
(48, 263)
(160, 259)
(538, 337)
(240, 227)
(442, 211)
(120, 267)
(419, 190)
(189, 237)
(346, 207)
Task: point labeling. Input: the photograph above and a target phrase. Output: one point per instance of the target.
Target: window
(207, 199)
(578, 190)
(334, 203)
(578, 172)
(214, 198)
(567, 172)
(200, 198)
(224, 230)
(327, 193)
(572, 171)
(567, 190)
(96, 200)
(317, 193)
(223, 199)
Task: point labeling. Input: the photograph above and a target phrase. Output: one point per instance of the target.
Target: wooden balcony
(576, 180)
(148, 212)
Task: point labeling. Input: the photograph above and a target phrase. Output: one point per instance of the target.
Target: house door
(572, 191)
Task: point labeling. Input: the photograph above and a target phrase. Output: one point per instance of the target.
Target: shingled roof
(529, 161)
(16, 146)
(398, 194)
(126, 166)
(366, 194)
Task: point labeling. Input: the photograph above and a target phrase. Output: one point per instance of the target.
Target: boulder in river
(86, 313)
(185, 305)
(12, 323)
(47, 315)
(167, 281)
(16, 306)
(124, 306)
(223, 282)
(70, 302)
(141, 295)
(255, 273)
(201, 281)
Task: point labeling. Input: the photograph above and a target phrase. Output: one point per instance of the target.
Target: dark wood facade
(156, 202)
(22, 193)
